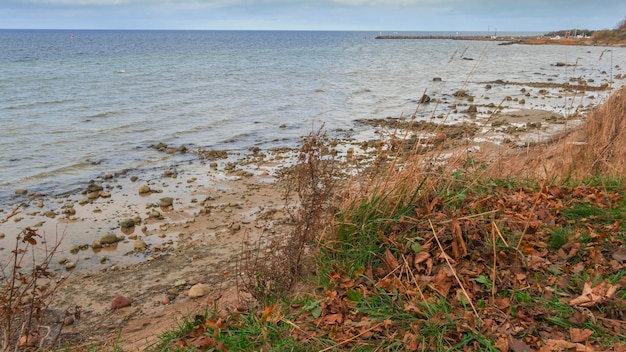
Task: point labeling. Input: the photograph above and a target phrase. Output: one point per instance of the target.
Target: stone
(74, 249)
(472, 109)
(140, 245)
(120, 302)
(154, 214)
(134, 178)
(109, 238)
(166, 202)
(70, 265)
(21, 191)
(127, 223)
(436, 79)
(96, 244)
(425, 99)
(69, 320)
(93, 195)
(2, 235)
(144, 189)
(199, 290)
(179, 283)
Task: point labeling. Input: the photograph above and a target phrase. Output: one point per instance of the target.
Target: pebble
(140, 245)
(21, 191)
(134, 178)
(199, 290)
(127, 223)
(70, 265)
(2, 235)
(96, 244)
(179, 283)
(69, 320)
(166, 202)
(120, 302)
(144, 189)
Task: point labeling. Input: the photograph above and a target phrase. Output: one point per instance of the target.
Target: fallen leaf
(459, 249)
(561, 345)
(620, 255)
(334, 319)
(579, 335)
(594, 295)
(390, 261)
(516, 345)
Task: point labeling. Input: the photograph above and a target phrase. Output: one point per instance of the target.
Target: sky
(370, 15)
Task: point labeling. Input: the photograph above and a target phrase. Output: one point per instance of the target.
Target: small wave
(120, 71)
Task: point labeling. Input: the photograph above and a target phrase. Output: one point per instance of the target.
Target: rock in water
(199, 290)
(144, 189)
(166, 202)
(120, 302)
(127, 223)
(140, 245)
(109, 238)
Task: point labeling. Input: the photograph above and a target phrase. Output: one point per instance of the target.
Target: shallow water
(73, 109)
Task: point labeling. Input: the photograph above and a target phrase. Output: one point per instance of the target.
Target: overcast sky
(376, 15)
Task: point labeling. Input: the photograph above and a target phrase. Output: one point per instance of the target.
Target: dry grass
(598, 147)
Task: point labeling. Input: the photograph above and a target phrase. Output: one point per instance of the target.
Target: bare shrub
(273, 265)
(27, 287)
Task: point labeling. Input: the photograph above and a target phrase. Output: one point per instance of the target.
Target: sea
(76, 104)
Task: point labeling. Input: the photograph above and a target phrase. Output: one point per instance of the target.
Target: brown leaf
(620, 255)
(334, 319)
(203, 342)
(390, 261)
(561, 345)
(516, 345)
(459, 249)
(594, 295)
(579, 335)
(441, 283)
(267, 313)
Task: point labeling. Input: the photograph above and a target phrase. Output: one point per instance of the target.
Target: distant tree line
(612, 36)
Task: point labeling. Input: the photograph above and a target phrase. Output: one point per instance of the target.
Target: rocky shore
(142, 249)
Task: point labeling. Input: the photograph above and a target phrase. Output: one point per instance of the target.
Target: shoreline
(218, 204)
(506, 40)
